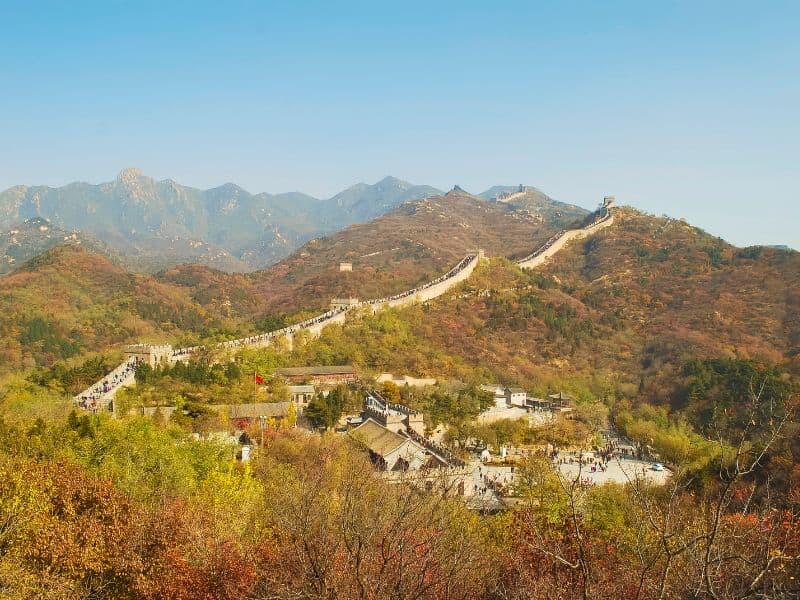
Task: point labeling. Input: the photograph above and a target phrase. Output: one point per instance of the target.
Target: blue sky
(690, 109)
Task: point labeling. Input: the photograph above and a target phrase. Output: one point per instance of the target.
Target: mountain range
(151, 225)
(638, 299)
(77, 295)
(398, 250)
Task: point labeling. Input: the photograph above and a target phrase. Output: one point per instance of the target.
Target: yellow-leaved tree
(291, 416)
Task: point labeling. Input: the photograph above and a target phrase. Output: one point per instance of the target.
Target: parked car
(658, 467)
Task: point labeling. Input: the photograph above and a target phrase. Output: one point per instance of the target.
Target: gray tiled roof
(377, 438)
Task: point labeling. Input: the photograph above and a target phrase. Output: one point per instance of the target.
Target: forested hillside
(35, 236)
(634, 303)
(650, 322)
(678, 291)
(637, 300)
(394, 252)
(69, 301)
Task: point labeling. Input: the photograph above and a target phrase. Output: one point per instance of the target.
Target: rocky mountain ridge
(157, 224)
(35, 236)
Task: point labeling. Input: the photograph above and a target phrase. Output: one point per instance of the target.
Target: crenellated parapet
(341, 306)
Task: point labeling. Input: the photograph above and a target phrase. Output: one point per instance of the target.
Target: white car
(658, 467)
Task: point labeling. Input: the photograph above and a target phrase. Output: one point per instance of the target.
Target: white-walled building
(516, 396)
(302, 395)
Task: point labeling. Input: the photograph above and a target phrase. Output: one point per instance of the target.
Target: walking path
(100, 394)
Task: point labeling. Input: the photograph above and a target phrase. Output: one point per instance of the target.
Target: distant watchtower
(345, 267)
(609, 201)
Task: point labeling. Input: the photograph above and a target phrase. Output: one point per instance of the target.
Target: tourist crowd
(451, 273)
(91, 398)
(443, 452)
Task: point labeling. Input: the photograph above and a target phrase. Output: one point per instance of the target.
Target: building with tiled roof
(390, 451)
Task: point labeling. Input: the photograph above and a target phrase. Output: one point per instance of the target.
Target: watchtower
(343, 303)
(609, 201)
(149, 354)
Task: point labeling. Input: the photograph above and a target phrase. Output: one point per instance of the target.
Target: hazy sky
(686, 108)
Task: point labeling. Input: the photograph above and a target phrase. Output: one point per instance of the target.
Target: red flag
(259, 380)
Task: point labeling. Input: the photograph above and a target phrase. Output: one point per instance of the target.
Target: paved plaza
(619, 470)
(492, 482)
(484, 480)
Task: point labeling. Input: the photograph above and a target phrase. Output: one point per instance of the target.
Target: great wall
(100, 395)
(563, 237)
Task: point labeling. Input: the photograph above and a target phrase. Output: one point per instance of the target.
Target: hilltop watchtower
(609, 201)
(149, 354)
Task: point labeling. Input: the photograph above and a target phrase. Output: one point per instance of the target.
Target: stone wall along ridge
(562, 238)
(102, 393)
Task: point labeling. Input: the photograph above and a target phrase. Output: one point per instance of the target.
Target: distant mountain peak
(129, 174)
(156, 223)
(390, 181)
(457, 190)
(229, 188)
